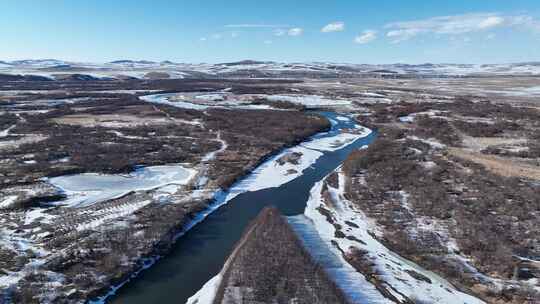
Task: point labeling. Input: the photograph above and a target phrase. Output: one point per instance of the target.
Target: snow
(309, 100)
(267, 175)
(430, 224)
(89, 188)
(255, 107)
(181, 70)
(116, 212)
(343, 118)
(408, 118)
(10, 278)
(271, 174)
(210, 97)
(61, 160)
(336, 142)
(354, 285)
(37, 214)
(391, 268)
(5, 133)
(181, 101)
(370, 94)
(522, 91)
(122, 135)
(207, 293)
(432, 142)
(15, 241)
(166, 99)
(7, 201)
(212, 155)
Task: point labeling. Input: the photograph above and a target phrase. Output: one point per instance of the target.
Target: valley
(144, 182)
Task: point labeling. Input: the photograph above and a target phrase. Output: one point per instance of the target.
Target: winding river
(199, 254)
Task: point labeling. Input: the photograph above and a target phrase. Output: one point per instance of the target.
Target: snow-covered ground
(519, 91)
(336, 142)
(86, 189)
(207, 293)
(353, 284)
(166, 99)
(433, 143)
(5, 133)
(212, 155)
(273, 174)
(201, 102)
(309, 100)
(7, 201)
(104, 215)
(390, 267)
(140, 69)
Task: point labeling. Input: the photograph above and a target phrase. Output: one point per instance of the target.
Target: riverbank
(199, 254)
(99, 237)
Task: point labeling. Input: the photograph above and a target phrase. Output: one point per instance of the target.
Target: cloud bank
(457, 24)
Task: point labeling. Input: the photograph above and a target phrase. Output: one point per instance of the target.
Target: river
(200, 254)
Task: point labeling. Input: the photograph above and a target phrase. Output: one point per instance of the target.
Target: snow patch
(353, 284)
(273, 174)
(339, 141)
(5, 133)
(207, 293)
(7, 201)
(309, 100)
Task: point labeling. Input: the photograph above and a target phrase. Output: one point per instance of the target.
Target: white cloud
(234, 34)
(366, 37)
(525, 21)
(203, 39)
(255, 25)
(402, 35)
(279, 32)
(490, 22)
(445, 25)
(267, 42)
(491, 36)
(337, 26)
(217, 36)
(296, 31)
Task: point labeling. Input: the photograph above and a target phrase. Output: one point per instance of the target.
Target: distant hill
(132, 62)
(245, 62)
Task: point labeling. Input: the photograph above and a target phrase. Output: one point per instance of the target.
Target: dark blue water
(201, 252)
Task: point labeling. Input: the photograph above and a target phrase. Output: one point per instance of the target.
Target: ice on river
(273, 174)
(353, 284)
(90, 188)
(339, 141)
(207, 293)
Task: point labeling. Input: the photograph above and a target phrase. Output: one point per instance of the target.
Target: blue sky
(382, 31)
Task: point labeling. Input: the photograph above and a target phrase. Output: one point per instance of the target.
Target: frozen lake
(86, 189)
